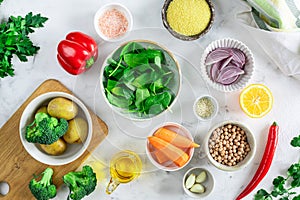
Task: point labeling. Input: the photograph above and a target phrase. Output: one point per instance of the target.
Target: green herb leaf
(284, 198)
(14, 40)
(296, 197)
(262, 195)
(296, 141)
(282, 187)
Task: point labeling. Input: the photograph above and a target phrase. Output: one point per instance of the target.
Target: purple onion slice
(218, 55)
(239, 58)
(230, 80)
(215, 70)
(225, 62)
(228, 72)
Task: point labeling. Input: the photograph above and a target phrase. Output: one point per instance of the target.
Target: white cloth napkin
(282, 43)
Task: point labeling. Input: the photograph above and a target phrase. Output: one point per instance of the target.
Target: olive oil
(125, 166)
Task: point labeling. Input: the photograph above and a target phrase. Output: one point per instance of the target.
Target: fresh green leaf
(133, 60)
(122, 92)
(156, 109)
(294, 170)
(118, 101)
(141, 95)
(296, 141)
(278, 190)
(162, 99)
(131, 47)
(111, 84)
(157, 61)
(296, 197)
(284, 198)
(144, 68)
(278, 181)
(262, 195)
(14, 40)
(142, 80)
(156, 86)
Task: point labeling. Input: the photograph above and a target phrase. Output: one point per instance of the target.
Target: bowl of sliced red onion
(227, 65)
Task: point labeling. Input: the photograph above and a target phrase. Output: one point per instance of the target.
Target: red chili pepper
(265, 163)
(77, 53)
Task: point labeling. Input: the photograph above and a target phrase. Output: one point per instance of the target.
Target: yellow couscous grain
(188, 17)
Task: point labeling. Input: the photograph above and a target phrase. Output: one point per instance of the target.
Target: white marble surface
(65, 16)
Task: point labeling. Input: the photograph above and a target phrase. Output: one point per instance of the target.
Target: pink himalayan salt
(113, 23)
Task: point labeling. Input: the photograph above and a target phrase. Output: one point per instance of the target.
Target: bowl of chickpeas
(230, 145)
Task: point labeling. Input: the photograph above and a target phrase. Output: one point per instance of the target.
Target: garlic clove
(197, 188)
(201, 177)
(190, 181)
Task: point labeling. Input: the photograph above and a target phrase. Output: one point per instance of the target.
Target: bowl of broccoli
(55, 128)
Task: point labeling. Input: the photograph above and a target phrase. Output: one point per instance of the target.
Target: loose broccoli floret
(45, 129)
(80, 183)
(43, 189)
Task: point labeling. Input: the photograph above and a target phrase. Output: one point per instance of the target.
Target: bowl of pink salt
(113, 22)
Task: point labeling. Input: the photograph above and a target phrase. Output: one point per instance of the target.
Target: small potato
(56, 148)
(77, 131)
(42, 109)
(62, 108)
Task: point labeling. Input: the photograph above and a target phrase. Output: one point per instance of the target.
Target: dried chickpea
(228, 145)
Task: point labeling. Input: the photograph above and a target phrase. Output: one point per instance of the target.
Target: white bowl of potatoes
(73, 139)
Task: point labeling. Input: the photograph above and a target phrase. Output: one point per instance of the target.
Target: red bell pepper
(77, 53)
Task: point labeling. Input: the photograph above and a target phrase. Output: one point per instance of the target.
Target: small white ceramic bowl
(240, 165)
(214, 111)
(208, 183)
(73, 151)
(169, 165)
(121, 8)
(243, 80)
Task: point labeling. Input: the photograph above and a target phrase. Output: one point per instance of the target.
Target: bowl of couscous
(188, 19)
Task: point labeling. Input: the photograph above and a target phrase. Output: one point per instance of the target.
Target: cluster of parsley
(283, 186)
(14, 40)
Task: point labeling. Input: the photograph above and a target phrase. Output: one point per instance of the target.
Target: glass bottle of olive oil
(125, 166)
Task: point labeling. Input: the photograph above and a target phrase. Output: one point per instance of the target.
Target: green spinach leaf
(118, 101)
(141, 95)
(123, 92)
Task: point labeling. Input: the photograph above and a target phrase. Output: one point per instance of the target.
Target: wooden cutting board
(18, 167)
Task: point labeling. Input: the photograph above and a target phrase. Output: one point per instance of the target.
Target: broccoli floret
(46, 129)
(80, 183)
(43, 189)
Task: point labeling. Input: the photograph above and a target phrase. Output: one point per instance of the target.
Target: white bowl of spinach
(140, 80)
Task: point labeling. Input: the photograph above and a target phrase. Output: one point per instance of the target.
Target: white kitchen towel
(275, 25)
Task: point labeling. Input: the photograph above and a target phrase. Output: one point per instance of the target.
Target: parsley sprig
(283, 186)
(14, 40)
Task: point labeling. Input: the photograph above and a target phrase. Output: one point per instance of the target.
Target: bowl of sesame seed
(113, 22)
(230, 145)
(205, 107)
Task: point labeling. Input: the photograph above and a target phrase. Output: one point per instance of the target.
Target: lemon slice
(256, 100)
